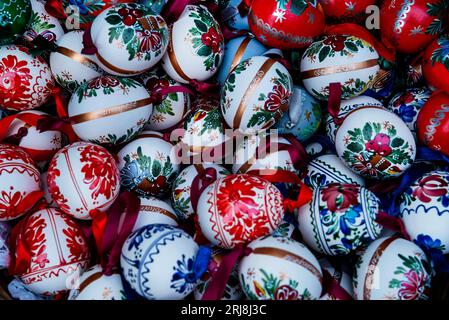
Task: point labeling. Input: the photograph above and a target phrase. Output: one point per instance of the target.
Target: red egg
(346, 10)
(286, 24)
(433, 123)
(435, 64)
(408, 26)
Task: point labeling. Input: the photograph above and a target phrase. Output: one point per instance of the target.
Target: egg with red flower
(435, 64)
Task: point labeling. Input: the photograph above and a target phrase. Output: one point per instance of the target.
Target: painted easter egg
(349, 11)
(435, 64)
(342, 277)
(155, 211)
(15, 15)
(42, 23)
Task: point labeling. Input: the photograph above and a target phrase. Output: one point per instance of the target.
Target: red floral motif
(103, 82)
(242, 217)
(53, 188)
(130, 16)
(100, 170)
(212, 39)
(75, 240)
(278, 99)
(404, 99)
(286, 292)
(380, 145)
(340, 196)
(150, 40)
(430, 186)
(412, 288)
(8, 203)
(14, 82)
(34, 237)
(10, 152)
(337, 42)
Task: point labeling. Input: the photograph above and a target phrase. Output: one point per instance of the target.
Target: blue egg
(236, 51)
(231, 16)
(303, 117)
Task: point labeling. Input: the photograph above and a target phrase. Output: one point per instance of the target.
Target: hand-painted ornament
(172, 108)
(239, 208)
(256, 94)
(14, 18)
(424, 210)
(19, 177)
(181, 191)
(157, 261)
(155, 5)
(148, 165)
(83, 177)
(327, 169)
(40, 145)
(346, 107)
(25, 81)
(340, 275)
(58, 251)
(435, 64)
(109, 110)
(280, 268)
(130, 39)
(286, 24)
(196, 46)
(303, 117)
(349, 60)
(69, 66)
(94, 285)
(232, 16)
(375, 143)
(340, 219)
(433, 122)
(408, 104)
(409, 26)
(392, 269)
(238, 50)
(42, 23)
(232, 289)
(47, 196)
(155, 211)
(347, 10)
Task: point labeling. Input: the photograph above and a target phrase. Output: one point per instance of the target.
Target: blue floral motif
(406, 112)
(428, 244)
(131, 175)
(348, 220)
(184, 278)
(83, 9)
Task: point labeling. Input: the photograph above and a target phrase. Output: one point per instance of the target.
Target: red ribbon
(61, 103)
(388, 53)
(334, 103)
(159, 94)
(121, 218)
(202, 180)
(88, 44)
(199, 237)
(206, 89)
(55, 8)
(392, 223)
(99, 220)
(173, 10)
(332, 287)
(28, 118)
(219, 279)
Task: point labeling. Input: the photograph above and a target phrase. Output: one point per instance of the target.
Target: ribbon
(244, 7)
(304, 196)
(202, 180)
(388, 53)
(206, 89)
(17, 138)
(392, 223)
(121, 217)
(202, 260)
(198, 233)
(334, 102)
(327, 145)
(173, 10)
(218, 281)
(55, 8)
(99, 221)
(88, 44)
(61, 104)
(333, 288)
(159, 94)
(440, 262)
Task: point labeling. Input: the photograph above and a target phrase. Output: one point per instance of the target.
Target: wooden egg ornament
(26, 82)
(157, 261)
(171, 110)
(83, 177)
(58, 251)
(232, 16)
(340, 275)
(340, 219)
(19, 177)
(155, 211)
(148, 165)
(15, 15)
(303, 117)
(433, 122)
(196, 46)
(41, 146)
(342, 11)
(42, 23)
(181, 190)
(347, 106)
(232, 290)
(423, 210)
(392, 269)
(238, 50)
(94, 285)
(286, 24)
(129, 39)
(69, 66)
(239, 208)
(327, 169)
(435, 64)
(256, 94)
(348, 60)
(409, 26)
(375, 143)
(408, 104)
(280, 268)
(109, 110)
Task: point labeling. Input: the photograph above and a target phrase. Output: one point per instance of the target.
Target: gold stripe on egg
(338, 69)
